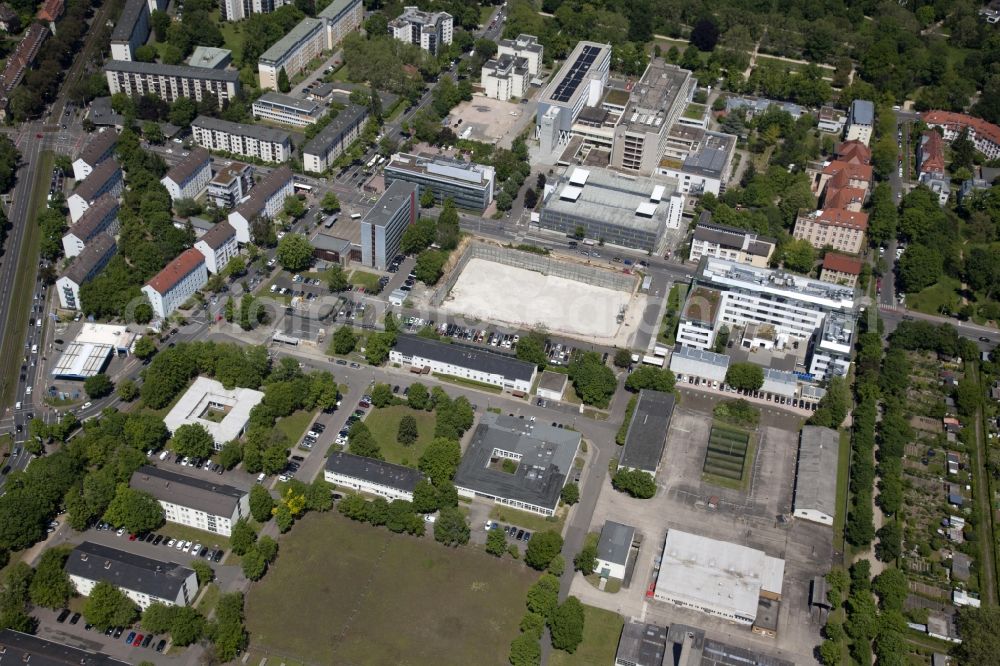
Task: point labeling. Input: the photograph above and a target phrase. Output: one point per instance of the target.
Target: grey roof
(615, 542)
(126, 570)
(715, 653)
(523, 42)
(263, 191)
(322, 90)
(197, 223)
(92, 218)
(329, 242)
(734, 237)
(395, 197)
(194, 162)
(217, 499)
(218, 235)
(816, 481)
(210, 57)
(101, 113)
(552, 381)
(331, 134)
(862, 112)
(259, 132)
(302, 30)
(647, 431)
(375, 471)
(93, 254)
(335, 7)
(712, 157)
(466, 357)
(546, 452)
(642, 644)
(182, 71)
(126, 21)
(280, 99)
(103, 173)
(99, 147)
(19, 648)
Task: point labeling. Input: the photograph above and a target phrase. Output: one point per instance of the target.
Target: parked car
(63, 614)
(75, 618)
(218, 555)
(162, 644)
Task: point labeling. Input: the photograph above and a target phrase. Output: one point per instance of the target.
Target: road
(899, 185)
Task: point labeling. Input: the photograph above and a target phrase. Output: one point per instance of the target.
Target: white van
(34, 349)
(355, 216)
(17, 405)
(39, 324)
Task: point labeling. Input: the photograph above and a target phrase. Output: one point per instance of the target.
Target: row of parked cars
(358, 414)
(205, 464)
(778, 399)
(516, 533)
(152, 538)
(133, 638)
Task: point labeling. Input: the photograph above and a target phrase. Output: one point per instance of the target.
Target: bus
(330, 221)
(301, 187)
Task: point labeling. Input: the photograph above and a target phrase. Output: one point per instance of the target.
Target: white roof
(571, 193)
(105, 334)
(205, 393)
(579, 176)
(82, 360)
(657, 194)
(714, 574)
(646, 208)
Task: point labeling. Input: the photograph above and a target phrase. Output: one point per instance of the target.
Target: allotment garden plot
(729, 456)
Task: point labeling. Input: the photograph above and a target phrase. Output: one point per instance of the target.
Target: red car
(131, 537)
(137, 641)
(38, 136)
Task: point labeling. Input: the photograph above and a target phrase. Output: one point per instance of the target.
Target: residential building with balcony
(171, 82)
(262, 143)
(176, 283)
(188, 178)
(428, 30)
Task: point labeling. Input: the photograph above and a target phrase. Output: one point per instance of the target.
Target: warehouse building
(424, 355)
(816, 475)
(99, 218)
(322, 150)
(292, 52)
(468, 184)
(171, 82)
(370, 476)
(223, 412)
(647, 431)
(176, 283)
(263, 143)
(187, 500)
(383, 226)
(143, 580)
(613, 549)
(188, 178)
(89, 263)
(580, 82)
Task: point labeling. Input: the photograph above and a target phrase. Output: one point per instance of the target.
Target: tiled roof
(176, 270)
(88, 224)
(959, 121)
(839, 217)
(854, 152)
(841, 263)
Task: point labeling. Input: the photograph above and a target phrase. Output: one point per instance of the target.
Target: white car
(87, 405)
(184, 545)
(186, 461)
(121, 531)
(283, 478)
(170, 544)
(27, 391)
(196, 549)
(163, 456)
(430, 518)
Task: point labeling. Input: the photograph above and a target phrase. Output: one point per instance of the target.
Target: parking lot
(93, 640)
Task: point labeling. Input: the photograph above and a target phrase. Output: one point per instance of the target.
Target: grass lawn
(364, 279)
(529, 521)
(931, 299)
(383, 599)
(340, 74)
(232, 36)
(471, 383)
(843, 477)
(384, 424)
(210, 597)
(601, 631)
(295, 424)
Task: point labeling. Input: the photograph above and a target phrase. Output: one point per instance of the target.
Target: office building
(188, 178)
(729, 243)
(693, 362)
(656, 102)
(505, 77)
(831, 349)
(647, 431)
(21, 648)
(984, 136)
(199, 503)
(468, 184)
(628, 211)
(131, 31)
(322, 150)
(266, 200)
(87, 265)
(428, 30)
(524, 46)
(732, 294)
(543, 455)
(706, 168)
(370, 476)
(816, 475)
(287, 110)
(100, 147)
(839, 228)
(143, 580)
(424, 355)
(230, 184)
(719, 578)
(91, 350)
(176, 283)
(105, 179)
(341, 17)
(579, 82)
(171, 82)
(840, 269)
(210, 57)
(218, 245)
(99, 218)
(383, 226)
(223, 412)
(613, 549)
(860, 121)
(292, 52)
(263, 143)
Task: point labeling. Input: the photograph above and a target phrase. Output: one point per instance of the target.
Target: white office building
(831, 353)
(370, 476)
(206, 401)
(174, 285)
(505, 77)
(143, 580)
(524, 46)
(202, 504)
(428, 30)
(189, 177)
(287, 110)
(478, 365)
(730, 243)
(383, 226)
(263, 143)
(580, 82)
(266, 200)
(218, 245)
(468, 184)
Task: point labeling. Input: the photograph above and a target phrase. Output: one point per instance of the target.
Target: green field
(944, 293)
(729, 456)
(526, 519)
(843, 478)
(601, 631)
(384, 424)
(364, 279)
(342, 592)
(294, 425)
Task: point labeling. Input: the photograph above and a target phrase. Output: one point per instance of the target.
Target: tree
(128, 390)
(134, 510)
(586, 560)
(284, 85)
(231, 454)
(542, 548)
(451, 527)
(705, 34)
(253, 564)
(980, 632)
(920, 267)
(329, 203)
(745, 376)
(107, 606)
(268, 548)
(891, 588)
(429, 266)
(531, 348)
(204, 573)
(144, 348)
(381, 395)
(570, 493)
(425, 497)
(344, 340)
(50, 586)
(650, 377)
(242, 537)
(448, 226)
(543, 595)
(440, 460)
(418, 236)
(566, 625)
(378, 347)
(193, 440)
(261, 503)
(98, 386)
(635, 482)
(407, 430)
(294, 252)
(427, 198)
(496, 542)
(158, 618)
(525, 651)
(188, 626)
(798, 255)
(833, 406)
(593, 381)
(622, 358)
(418, 396)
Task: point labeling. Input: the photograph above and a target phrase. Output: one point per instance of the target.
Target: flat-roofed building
(188, 178)
(88, 264)
(505, 77)
(263, 143)
(840, 269)
(266, 200)
(706, 168)
(383, 226)
(428, 30)
(841, 229)
(100, 147)
(524, 46)
(105, 179)
(176, 283)
(628, 211)
(322, 150)
(831, 120)
(643, 644)
(816, 475)
(647, 431)
(20, 648)
(544, 456)
(374, 477)
(551, 385)
(341, 17)
(131, 30)
(230, 184)
(292, 52)
(478, 365)
(218, 245)
(171, 82)
(831, 349)
(89, 352)
(656, 101)
(192, 501)
(613, 549)
(143, 580)
(206, 401)
(579, 82)
(860, 121)
(210, 57)
(468, 184)
(99, 218)
(730, 243)
(276, 107)
(694, 362)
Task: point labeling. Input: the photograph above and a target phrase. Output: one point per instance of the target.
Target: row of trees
(565, 622)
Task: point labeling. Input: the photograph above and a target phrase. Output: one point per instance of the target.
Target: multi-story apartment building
(580, 82)
(143, 580)
(505, 77)
(292, 52)
(265, 201)
(322, 150)
(930, 155)
(287, 110)
(100, 147)
(230, 184)
(105, 179)
(468, 184)
(171, 82)
(524, 46)
(131, 31)
(841, 229)
(171, 287)
(383, 226)
(199, 503)
(985, 136)
(370, 476)
(189, 177)
(101, 217)
(860, 121)
(341, 17)
(86, 267)
(21, 648)
(263, 143)
(237, 10)
(730, 243)
(428, 30)
(219, 246)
